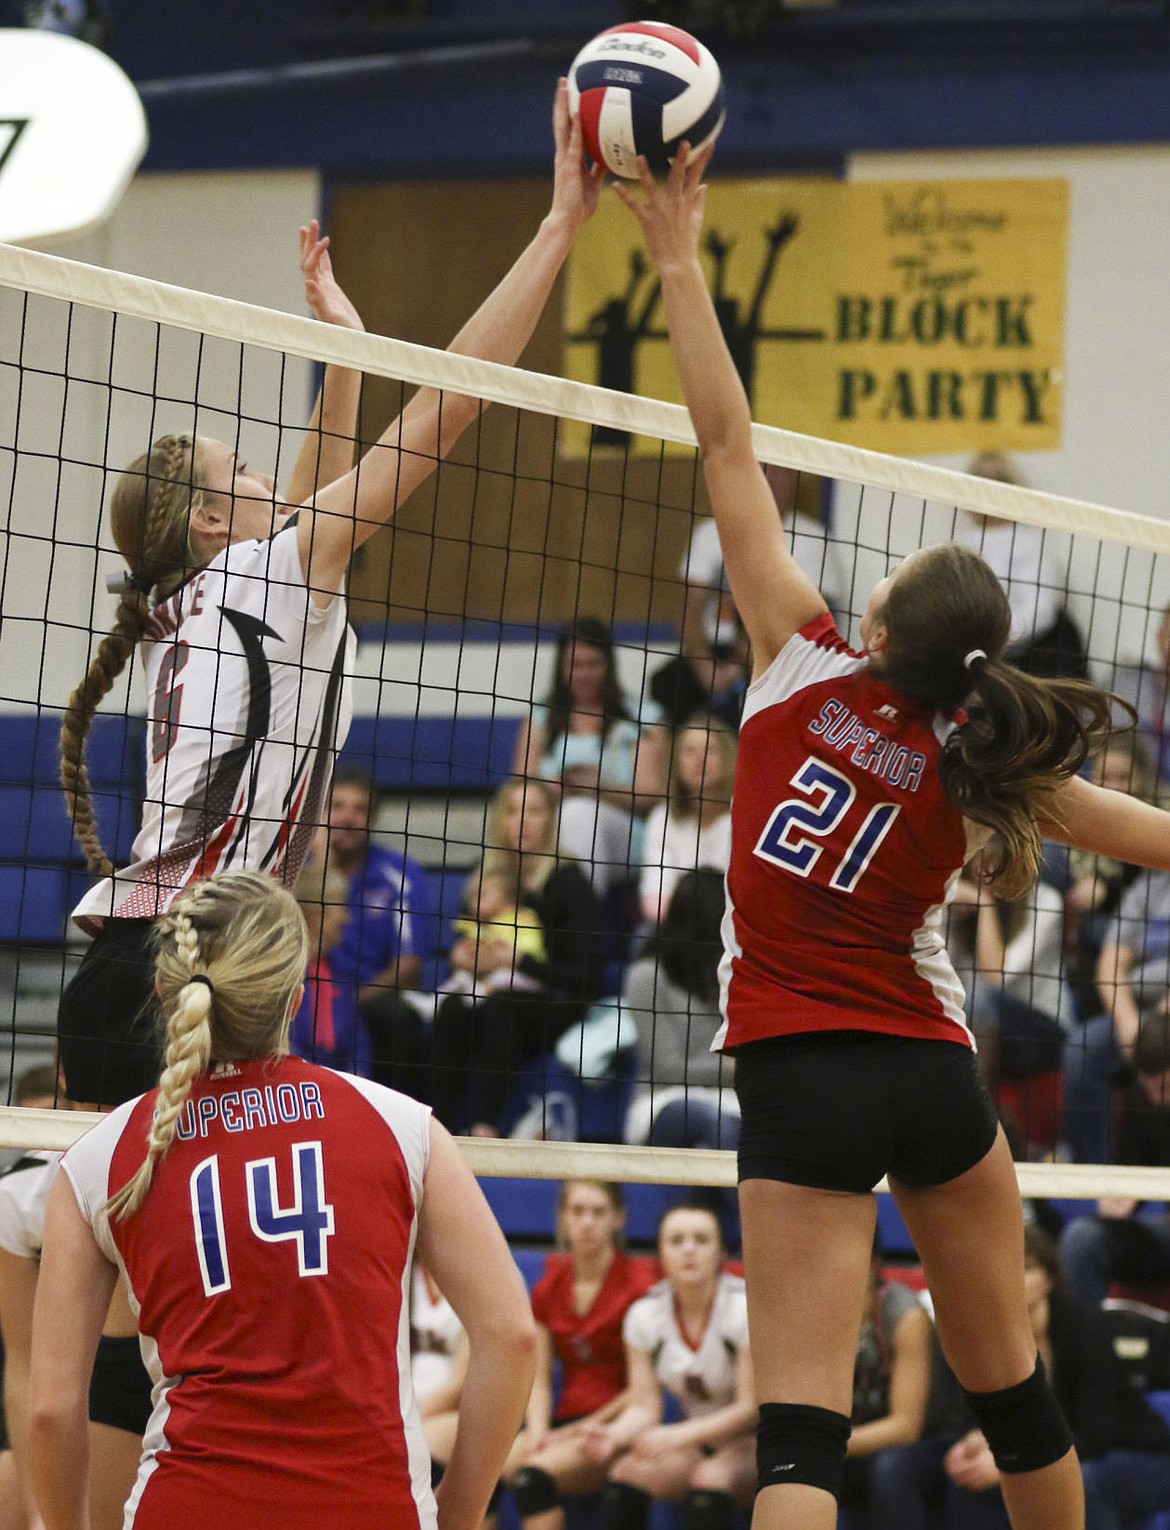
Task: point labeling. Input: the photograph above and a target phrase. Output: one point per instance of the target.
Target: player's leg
(969, 1234)
(806, 1254)
(721, 1482)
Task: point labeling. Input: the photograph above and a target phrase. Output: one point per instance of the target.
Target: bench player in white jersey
(264, 1213)
(235, 601)
(686, 1338)
(862, 787)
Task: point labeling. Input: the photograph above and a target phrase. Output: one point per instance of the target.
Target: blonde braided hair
(231, 955)
(150, 518)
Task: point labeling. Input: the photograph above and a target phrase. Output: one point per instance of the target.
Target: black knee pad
(707, 1509)
(535, 1491)
(624, 1507)
(799, 1443)
(1023, 1424)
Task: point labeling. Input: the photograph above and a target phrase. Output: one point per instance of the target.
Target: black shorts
(119, 1390)
(107, 1018)
(837, 1110)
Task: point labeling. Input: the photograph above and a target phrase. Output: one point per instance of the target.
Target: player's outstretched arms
(771, 593)
(462, 1246)
(73, 1294)
(1108, 823)
(346, 513)
(326, 453)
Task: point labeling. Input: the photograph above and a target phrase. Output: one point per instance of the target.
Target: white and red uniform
(269, 1267)
(435, 1331)
(702, 1377)
(844, 849)
(246, 705)
(24, 1194)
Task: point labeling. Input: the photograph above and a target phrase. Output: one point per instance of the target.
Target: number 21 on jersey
(790, 836)
(308, 1222)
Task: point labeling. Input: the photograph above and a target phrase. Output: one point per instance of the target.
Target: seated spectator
(579, 1303)
(1127, 1240)
(477, 1042)
(687, 1338)
(499, 922)
(685, 1096)
(1098, 883)
(1101, 1365)
(709, 675)
(391, 934)
(905, 1404)
(692, 828)
(1133, 979)
(1009, 954)
(1045, 640)
(585, 740)
(327, 1028)
(1146, 687)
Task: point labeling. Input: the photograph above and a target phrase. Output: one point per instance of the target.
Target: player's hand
(575, 189)
(323, 292)
(670, 211)
(652, 1444)
(598, 1443)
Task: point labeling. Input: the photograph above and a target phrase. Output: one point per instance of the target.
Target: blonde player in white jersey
(235, 602)
(687, 1337)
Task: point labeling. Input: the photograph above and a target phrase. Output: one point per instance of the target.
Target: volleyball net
(564, 504)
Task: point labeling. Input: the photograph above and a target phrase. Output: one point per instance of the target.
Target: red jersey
(844, 850)
(590, 1348)
(269, 1268)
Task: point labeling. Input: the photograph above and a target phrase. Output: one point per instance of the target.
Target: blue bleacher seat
(526, 1209)
(436, 753)
(891, 1230)
(33, 903)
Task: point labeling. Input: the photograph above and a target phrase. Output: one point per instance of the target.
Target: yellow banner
(917, 317)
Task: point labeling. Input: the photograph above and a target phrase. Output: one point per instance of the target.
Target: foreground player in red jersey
(861, 789)
(265, 1212)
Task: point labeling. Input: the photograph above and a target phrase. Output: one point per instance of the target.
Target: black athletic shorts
(106, 1022)
(119, 1390)
(839, 1109)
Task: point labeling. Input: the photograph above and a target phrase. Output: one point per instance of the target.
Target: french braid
(149, 512)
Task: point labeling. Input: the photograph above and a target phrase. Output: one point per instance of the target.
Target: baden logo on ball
(642, 88)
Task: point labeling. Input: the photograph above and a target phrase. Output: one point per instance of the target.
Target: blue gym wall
(465, 88)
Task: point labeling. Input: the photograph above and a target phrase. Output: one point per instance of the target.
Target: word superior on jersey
(241, 1110)
(872, 750)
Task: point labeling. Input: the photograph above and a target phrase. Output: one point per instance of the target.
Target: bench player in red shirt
(264, 1212)
(862, 788)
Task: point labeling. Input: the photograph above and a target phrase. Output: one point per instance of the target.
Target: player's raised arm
(771, 593)
(1108, 823)
(326, 453)
(346, 513)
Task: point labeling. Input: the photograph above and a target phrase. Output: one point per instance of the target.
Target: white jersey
(247, 703)
(24, 1192)
(435, 1331)
(702, 1379)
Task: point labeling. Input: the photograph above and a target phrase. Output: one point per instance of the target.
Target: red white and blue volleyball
(642, 88)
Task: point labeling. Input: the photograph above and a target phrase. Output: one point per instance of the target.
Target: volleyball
(641, 88)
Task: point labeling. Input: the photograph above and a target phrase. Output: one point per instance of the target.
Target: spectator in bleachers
(1127, 1240)
(685, 1094)
(687, 1338)
(692, 828)
(478, 1041)
(587, 741)
(1101, 1364)
(498, 921)
(1098, 882)
(905, 1401)
(327, 1027)
(1133, 978)
(1009, 954)
(579, 1303)
(1146, 687)
(390, 936)
(1044, 638)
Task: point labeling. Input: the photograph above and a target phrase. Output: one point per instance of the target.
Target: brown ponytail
(149, 516)
(948, 621)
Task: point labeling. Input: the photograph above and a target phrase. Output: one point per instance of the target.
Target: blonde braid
(188, 1054)
(148, 516)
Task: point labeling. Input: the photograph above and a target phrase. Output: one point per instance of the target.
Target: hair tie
(124, 583)
(201, 977)
(976, 653)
